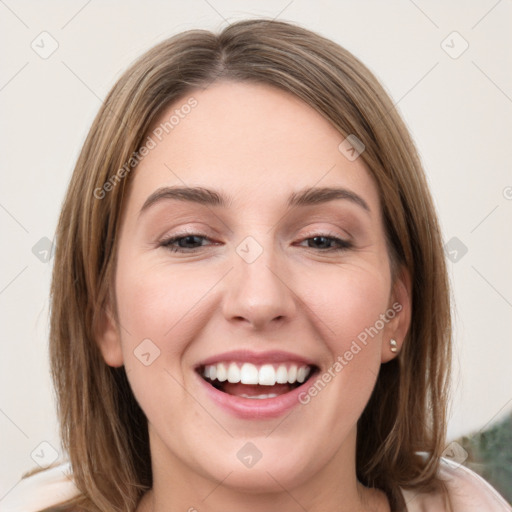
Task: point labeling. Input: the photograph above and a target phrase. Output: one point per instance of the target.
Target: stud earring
(394, 347)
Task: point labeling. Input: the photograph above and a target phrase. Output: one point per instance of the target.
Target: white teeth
(222, 373)
(248, 374)
(292, 374)
(264, 375)
(282, 375)
(267, 375)
(301, 374)
(233, 373)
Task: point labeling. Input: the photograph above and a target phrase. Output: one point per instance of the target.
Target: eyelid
(183, 234)
(186, 231)
(342, 234)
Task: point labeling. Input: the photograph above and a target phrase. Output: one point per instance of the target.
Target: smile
(246, 379)
(255, 388)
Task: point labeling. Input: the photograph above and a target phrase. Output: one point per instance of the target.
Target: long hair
(103, 429)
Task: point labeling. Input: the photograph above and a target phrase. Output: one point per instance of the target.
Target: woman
(250, 306)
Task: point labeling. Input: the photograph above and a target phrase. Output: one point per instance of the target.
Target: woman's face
(267, 285)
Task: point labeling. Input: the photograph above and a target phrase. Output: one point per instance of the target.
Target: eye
(327, 242)
(190, 242)
(186, 242)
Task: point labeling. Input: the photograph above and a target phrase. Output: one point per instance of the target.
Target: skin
(256, 144)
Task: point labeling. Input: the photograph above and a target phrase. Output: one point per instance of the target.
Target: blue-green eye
(327, 243)
(184, 242)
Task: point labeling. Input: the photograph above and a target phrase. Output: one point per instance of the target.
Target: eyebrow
(208, 197)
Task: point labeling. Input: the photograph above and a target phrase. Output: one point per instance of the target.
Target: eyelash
(343, 245)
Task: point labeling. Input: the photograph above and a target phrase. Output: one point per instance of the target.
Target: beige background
(459, 111)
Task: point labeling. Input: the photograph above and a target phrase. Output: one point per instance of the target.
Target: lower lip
(255, 408)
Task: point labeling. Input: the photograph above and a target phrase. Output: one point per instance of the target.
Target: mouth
(256, 381)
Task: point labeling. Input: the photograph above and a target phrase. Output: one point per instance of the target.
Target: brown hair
(102, 426)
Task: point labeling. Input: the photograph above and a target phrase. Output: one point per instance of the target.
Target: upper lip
(247, 356)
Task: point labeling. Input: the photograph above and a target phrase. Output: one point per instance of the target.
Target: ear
(108, 338)
(399, 313)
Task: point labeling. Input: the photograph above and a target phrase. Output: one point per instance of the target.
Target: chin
(270, 473)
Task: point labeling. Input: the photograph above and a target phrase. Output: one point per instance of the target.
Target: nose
(259, 293)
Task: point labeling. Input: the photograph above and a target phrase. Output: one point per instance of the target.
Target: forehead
(254, 140)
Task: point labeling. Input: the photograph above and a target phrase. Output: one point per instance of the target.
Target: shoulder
(41, 490)
(467, 492)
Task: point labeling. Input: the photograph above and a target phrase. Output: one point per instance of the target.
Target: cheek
(154, 310)
(348, 301)
(162, 310)
(158, 302)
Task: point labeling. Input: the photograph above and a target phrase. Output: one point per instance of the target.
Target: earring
(394, 347)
